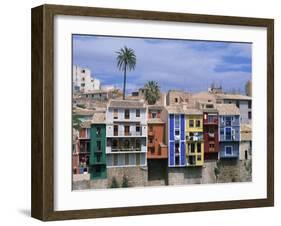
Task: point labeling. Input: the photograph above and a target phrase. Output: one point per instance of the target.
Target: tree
(248, 88)
(125, 182)
(76, 122)
(126, 60)
(114, 183)
(152, 92)
(217, 170)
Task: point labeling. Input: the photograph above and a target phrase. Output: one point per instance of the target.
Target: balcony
(159, 153)
(229, 138)
(151, 133)
(122, 149)
(127, 134)
(211, 121)
(194, 138)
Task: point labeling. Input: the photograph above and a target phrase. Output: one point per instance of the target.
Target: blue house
(229, 131)
(176, 137)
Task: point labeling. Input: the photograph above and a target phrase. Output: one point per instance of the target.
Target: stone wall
(187, 175)
(137, 176)
(234, 171)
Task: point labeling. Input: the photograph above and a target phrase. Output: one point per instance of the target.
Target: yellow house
(194, 137)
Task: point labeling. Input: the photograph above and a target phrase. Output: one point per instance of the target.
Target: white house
(126, 132)
(83, 81)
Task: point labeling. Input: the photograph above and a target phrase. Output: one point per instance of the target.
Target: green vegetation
(126, 60)
(217, 170)
(152, 92)
(114, 183)
(125, 182)
(76, 122)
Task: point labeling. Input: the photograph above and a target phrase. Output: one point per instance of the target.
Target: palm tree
(126, 60)
(152, 92)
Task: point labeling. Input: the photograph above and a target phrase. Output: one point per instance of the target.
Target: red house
(157, 150)
(210, 132)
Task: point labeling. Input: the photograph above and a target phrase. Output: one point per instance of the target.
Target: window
(228, 121)
(98, 145)
(137, 159)
(198, 123)
(153, 114)
(138, 144)
(83, 70)
(228, 150)
(137, 112)
(177, 121)
(137, 128)
(126, 159)
(127, 130)
(192, 147)
(126, 144)
(150, 140)
(98, 157)
(177, 160)
(177, 147)
(98, 169)
(98, 133)
(83, 84)
(198, 147)
(211, 147)
(115, 130)
(228, 133)
(150, 129)
(249, 115)
(115, 113)
(115, 160)
(127, 113)
(176, 100)
(249, 104)
(191, 123)
(83, 79)
(114, 144)
(199, 158)
(177, 132)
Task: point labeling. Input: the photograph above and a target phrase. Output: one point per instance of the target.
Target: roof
(174, 109)
(227, 109)
(155, 121)
(203, 96)
(155, 107)
(232, 96)
(126, 104)
(192, 111)
(99, 117)
(246, 132)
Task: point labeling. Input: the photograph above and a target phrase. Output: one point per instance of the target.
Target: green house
(98, 155)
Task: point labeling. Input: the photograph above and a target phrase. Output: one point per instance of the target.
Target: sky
(188, 65)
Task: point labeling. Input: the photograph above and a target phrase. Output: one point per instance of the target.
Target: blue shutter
(171, 129)
(182, 127)
(183, 160)
(171, 153)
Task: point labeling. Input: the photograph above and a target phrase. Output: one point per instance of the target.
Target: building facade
(83, 81)
(194, 137)
(98, 150)
(229, 131)
(245, 149)
(210, 132)
(176, 137)
(126, 133)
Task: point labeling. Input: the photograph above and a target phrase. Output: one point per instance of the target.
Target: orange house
(156, 147)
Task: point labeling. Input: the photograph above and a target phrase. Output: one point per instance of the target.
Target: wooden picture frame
(42, 203)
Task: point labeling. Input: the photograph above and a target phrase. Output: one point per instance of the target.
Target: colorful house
(194, 137)
(229, 130)
(176, 136)
(210, 131)
(157, 150)
(126, 133)
(98, 147)
(84, 140)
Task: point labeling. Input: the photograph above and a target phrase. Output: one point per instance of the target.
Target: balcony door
(127, 130)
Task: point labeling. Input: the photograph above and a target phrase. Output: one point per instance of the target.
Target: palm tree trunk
(124, 85)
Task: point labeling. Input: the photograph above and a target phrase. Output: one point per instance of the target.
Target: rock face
(230, 171)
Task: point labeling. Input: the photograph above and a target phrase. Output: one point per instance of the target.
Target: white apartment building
(126, 132)
(83, 81)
